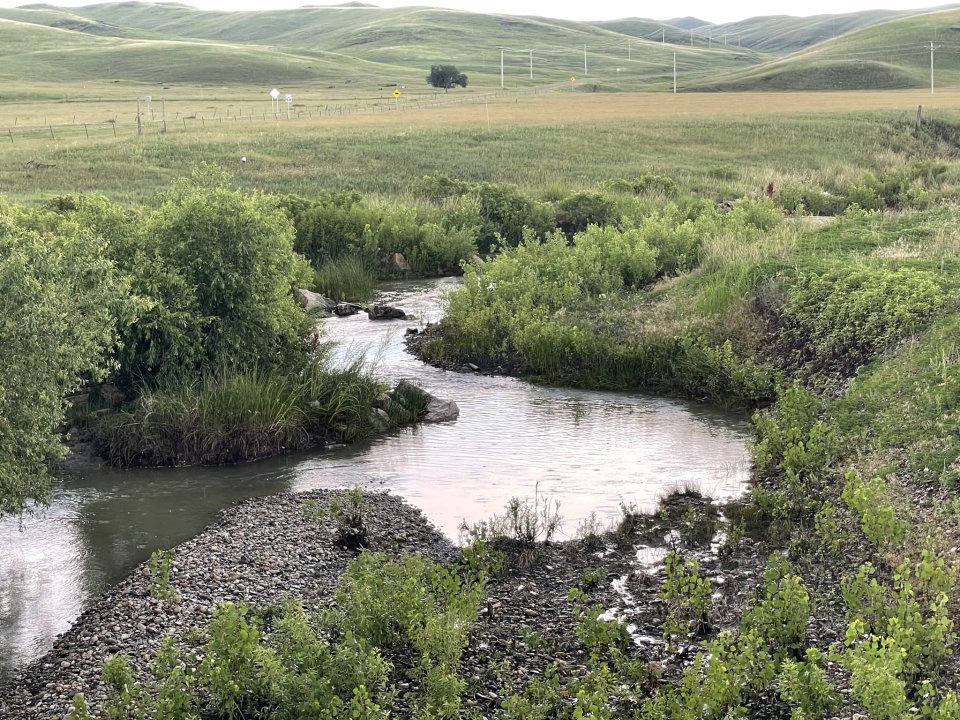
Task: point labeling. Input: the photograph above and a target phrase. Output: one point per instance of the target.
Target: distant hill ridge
(171, 42)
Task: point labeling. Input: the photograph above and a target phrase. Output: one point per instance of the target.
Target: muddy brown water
(592, 451)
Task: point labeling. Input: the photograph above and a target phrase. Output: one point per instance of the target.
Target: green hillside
(173, 43)
(892, 54)
(783, 34)
(774, 34)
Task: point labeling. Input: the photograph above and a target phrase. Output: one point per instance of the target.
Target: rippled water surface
(590, 450)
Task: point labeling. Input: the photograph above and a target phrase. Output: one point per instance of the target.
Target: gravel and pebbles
(265, 549)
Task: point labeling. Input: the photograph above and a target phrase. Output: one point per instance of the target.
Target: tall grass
(347, 278)
(233, 416)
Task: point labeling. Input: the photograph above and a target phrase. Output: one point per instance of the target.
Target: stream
(591, 451)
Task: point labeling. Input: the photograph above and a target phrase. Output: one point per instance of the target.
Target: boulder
(385, 312)
(434, 409)
(343, 309)
(441, 411)
(379, 420)
(310, 301)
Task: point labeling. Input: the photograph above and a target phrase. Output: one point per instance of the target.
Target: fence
(154, 126)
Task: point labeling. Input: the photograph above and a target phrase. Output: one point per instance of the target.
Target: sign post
(288, 99)
(396, 97)
(274, 105)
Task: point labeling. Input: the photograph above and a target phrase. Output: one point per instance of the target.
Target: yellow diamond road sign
(396, 93)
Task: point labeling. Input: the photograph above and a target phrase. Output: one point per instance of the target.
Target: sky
(709, 10)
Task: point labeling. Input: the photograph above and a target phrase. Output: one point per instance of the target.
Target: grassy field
(723, 145)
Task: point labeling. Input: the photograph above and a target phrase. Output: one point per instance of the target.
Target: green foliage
(174, 698)
(782, 614)
(805, 686)
(581, 210)
(60, 307)
(876, 665)
(347, 279)
(161, 562)
(446, 77)
(234, 661)
(79, 710)
(793, 447)
(124, 694)
(346, 509)
(216, 267)
(413, 606)
(686, 596)
(236, 415)
(868, 499)
(345, 230)
(912, 612)
(521, 528)
(598, 635)
(836, 321)
(827, 526)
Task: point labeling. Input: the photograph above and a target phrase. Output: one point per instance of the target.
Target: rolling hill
(891, 54)
(358, 45)
(173, 43)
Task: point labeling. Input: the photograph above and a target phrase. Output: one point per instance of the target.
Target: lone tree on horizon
(446, 77)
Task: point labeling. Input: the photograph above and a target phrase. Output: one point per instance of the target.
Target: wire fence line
(158, 126)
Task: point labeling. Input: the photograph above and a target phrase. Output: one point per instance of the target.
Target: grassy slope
(327, 44)
(892, 54)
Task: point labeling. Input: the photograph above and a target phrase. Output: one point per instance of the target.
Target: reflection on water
(591, 450)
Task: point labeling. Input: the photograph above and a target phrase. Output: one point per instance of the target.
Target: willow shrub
(59, 300)
(525, 307)
(434, 239)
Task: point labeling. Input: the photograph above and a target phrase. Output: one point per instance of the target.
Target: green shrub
(868, 499)
(160, 565)
(805, 686)
(217, 268)
(836, 321)
(577, 212)
(781, 616)
(875, 666)
(686, 596)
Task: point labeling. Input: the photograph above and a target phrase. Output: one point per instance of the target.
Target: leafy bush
(686, 596)
(804, 684)
(577, 212)
(782, 614)
(61, 305)
(216, 268)
(838, 320)
(869, 500)
(794, 447)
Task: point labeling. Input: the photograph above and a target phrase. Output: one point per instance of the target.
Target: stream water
(590, 450)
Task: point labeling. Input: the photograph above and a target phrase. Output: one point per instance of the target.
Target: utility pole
(501, 68)
(932, 48)
(531, 63)
(674, 72)
(584, 59)
(691, 37)
(663, 36)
